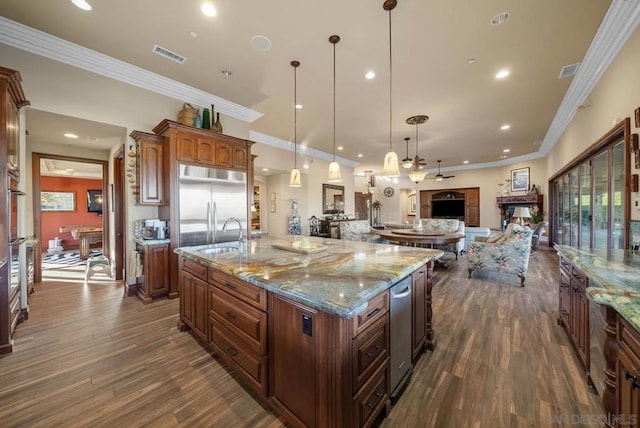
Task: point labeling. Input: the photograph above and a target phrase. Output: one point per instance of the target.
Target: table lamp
(521, 213)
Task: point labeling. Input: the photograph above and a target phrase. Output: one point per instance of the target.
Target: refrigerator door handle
(215, 222)
(208, 222)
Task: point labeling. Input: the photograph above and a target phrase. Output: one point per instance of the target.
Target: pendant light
(417, 175)
(294, 180)
(390, 167)
(334, 167)
(407, 162)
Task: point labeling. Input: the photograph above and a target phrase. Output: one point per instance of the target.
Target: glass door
(618, 199)
(601, 200)
(585, 204)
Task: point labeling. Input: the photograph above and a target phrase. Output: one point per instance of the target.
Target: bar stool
(97, 264)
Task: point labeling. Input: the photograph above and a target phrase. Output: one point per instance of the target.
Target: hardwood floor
(88, 356)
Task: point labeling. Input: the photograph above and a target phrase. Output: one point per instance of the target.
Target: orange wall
(52, 220)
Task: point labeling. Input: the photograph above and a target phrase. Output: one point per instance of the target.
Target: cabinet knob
(230, 315)
(231, 351)
(374, 352)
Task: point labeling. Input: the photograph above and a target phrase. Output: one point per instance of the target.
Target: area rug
(63, 260)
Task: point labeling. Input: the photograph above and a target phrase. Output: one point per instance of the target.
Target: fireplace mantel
(505, 202)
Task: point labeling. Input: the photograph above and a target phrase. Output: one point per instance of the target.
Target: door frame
(37, 221)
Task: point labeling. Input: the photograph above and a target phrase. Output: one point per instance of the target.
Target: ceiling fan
(439, 176)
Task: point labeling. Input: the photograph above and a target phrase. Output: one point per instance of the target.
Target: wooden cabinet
(238, 327)
(155, 279)
(463, 204)
(150, 168)
(573, 307)
(196, 149)
(12, 99)
(193, 301)
(627, 373)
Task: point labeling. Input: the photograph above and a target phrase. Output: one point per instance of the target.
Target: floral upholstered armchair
(446, 226)
(510, 254)
(359, 230)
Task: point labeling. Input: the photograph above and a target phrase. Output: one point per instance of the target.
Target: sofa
(359, 230)
(448, 226)
(509, 254)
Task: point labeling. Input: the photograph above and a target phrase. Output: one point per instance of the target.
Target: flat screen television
(94, 201)
(447, 209)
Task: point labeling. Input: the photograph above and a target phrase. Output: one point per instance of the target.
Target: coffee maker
(153, 229)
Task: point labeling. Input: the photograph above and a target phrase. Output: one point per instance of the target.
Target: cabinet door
(223, 155)
(418, 306)
(627, 385)
(186, 297)
(206, 151)
(157, 270)
(472, 197)
(472, 217)
(200, 308)
(187, 148)
(239, 158)
(151, 173)
(583, 326)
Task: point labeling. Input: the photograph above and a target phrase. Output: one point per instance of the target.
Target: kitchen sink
(226, 247)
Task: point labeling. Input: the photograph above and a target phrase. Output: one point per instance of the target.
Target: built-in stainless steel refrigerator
(208, 197)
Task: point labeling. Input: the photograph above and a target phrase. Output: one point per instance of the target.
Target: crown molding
(618, 25)
(269, 140)
(43, 44)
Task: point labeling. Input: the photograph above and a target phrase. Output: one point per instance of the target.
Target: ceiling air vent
(569, 70)
(168, 54)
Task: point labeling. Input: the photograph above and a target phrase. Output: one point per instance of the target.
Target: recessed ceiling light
(360, 155)
(226, 72)
(260, 43)
(340, 148)
(465, 162)
(305, 166)
(505, 127)
(500, 18)
(298, 106)
(69, 135)
(506, 150)
(502, 74)
(471, 60)
(82, 4)
(193, 34)
(370, 75)
(208, 9)
(265, 169)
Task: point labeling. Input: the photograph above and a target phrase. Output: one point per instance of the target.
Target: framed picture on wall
(57, 201)
(411, 209)
(520, 180)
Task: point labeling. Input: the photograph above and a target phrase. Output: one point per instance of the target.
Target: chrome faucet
(229, 220)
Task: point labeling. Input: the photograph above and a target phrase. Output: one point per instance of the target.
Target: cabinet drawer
(244, 291)
(628, 337)
(246, 322)
(579, 277)
(195, 268)
(564, 308)
(373, 397)
(369, 350)
(565, 265)
(377, 308)
(250, 366)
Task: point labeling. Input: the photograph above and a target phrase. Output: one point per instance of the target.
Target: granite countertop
(147, 242)
(614, 277)
(338, 280)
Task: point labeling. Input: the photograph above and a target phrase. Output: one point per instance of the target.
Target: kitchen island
(309, 330)
(600, 307)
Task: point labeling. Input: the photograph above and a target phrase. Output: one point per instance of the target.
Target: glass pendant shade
(334, 173)
(294, 180)
(390, 168)
(417, 176)
(440, 178)
(407, 164)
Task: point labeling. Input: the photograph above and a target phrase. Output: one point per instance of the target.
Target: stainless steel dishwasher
(400, 332)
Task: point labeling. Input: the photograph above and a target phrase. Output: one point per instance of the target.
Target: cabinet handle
(378, 395)
(231, 351)
(370, 405)
(374, 352)
(564, 312)
(231, 286)
(190, 280)
(373, 313)
(230, 315)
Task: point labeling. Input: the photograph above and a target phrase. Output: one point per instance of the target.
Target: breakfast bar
(311, 326)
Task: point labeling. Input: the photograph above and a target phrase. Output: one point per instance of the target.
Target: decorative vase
(294, 219)
(217, 126)
(206, 119)
(197, 122)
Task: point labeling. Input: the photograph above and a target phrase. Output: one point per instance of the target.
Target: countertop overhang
(339, 280)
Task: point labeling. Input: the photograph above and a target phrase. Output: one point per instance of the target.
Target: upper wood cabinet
(150, 168)
(205, 147)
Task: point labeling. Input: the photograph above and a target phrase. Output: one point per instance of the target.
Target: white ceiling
(432, 43)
